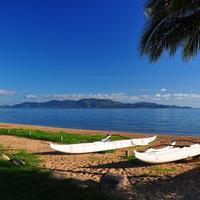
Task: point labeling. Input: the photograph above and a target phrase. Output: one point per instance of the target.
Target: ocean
(162, 121)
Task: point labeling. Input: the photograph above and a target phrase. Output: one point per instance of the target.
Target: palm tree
(171, 24)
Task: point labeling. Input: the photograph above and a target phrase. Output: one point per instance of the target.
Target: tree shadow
(39, 185)
(184, 186)
(62, 171)
(50, 153)
(122, 164)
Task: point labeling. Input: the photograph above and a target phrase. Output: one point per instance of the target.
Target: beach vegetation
(171, 25)
(1, 150)
(160, 169)
(145, 174)
(133, 159)
(59, 137)
(29, 181)
(31, 161)
(130, 158)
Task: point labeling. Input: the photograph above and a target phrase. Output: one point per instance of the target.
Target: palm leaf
(171, 24)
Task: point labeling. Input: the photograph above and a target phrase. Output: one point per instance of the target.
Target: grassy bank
(60, 137)
(30, 182)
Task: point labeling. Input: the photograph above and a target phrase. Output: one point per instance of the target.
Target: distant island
(89, 103)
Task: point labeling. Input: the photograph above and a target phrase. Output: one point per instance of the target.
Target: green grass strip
(60, 137)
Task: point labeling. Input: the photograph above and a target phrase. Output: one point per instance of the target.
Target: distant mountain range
(89, 103)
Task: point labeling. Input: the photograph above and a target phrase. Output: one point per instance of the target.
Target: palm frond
(171, 24)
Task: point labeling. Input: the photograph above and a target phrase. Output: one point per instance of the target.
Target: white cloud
(168, 98)
(167, 95)
(158, 95)
(187, 95)
(163, 90)
(4, 93)
(114, 96)
(30, 96)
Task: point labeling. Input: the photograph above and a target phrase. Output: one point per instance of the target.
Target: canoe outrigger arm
(106, 139)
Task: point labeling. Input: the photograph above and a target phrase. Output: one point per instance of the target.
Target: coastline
(162, 177)
(96, 132)
(71, 130)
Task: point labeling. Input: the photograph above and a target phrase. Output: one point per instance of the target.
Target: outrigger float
(168, 154)
(103, 145)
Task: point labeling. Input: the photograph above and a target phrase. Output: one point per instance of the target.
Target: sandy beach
(162, 179)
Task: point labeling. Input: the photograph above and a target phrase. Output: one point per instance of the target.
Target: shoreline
(141, 178)
(97, 132)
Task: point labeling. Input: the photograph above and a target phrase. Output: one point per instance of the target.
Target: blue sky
(72, 49)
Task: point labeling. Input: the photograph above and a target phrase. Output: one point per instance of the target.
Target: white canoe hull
(169, 155)
(100, 146)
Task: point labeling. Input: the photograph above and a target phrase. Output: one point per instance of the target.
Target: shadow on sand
(50, 153)
(37, 185)
(184, 186)
(78, 172)
(121, 164)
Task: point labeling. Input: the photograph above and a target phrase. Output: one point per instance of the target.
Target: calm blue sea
(170, 121)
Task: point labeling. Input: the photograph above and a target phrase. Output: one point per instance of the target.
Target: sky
(73, 49)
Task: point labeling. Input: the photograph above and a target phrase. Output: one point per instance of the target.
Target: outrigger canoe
(162, 149)
(98, 146)
(168, 155)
